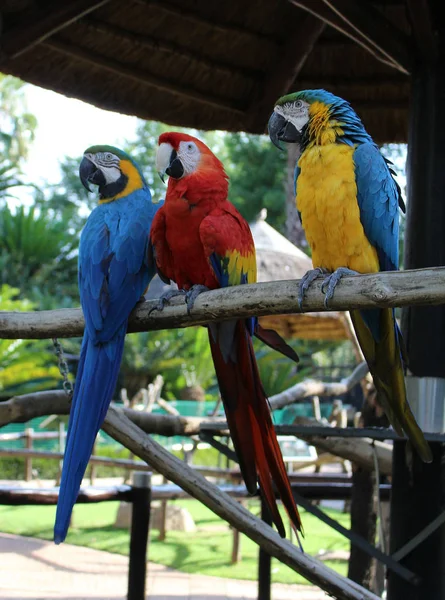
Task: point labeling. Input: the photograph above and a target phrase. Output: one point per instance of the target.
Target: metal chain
(63, 368)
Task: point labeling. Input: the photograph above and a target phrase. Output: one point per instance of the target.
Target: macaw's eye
(298, 104)
(108, 156)
(190, 147)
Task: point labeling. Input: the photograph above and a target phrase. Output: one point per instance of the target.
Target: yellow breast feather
(327, 201)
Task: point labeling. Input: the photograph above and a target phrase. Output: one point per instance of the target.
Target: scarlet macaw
(348, 201)
(201, 241)
(114, 272)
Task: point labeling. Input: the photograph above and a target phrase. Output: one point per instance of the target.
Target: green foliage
(13, 468)
(180, 355)
(68, 201)
(17, 124)
(9, 179)
(200, 552)
(37, 255)
(25, 365)
(257, 175)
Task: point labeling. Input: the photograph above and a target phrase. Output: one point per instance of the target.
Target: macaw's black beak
(89, 173)
(281, 130)
(175, 169)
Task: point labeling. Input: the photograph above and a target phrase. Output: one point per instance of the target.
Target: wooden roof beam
(40, 23)
(284, 72)
(140, 75)
(419, 14)
(366, 26)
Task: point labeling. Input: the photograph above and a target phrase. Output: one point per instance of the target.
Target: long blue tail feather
(96, 376)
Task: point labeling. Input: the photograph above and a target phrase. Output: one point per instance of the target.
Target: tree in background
(25, 365)
(257, 177)
(17, 129)
(37, 256)
(17, 124)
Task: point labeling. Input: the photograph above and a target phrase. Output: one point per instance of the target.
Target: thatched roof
(278, 259)
(215, 65)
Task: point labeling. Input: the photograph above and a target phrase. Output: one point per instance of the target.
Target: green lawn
(207, 551)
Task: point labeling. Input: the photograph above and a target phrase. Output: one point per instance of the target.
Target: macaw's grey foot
(193, 293)
(306, 281)
(165, 299)
(330, 283)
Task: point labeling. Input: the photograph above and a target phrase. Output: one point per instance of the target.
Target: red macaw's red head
(186, 159)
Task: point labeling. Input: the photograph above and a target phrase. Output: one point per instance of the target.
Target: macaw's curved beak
(281, 130)
(89, 173)
(175, 169)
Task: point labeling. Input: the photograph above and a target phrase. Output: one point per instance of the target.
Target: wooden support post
(163, 516)
(93, 466)
(28, 460)
(163, 521)
(236, 547)
(61, 450)
(264, 560)
(140, 523)
(418, 491)
(418, 497)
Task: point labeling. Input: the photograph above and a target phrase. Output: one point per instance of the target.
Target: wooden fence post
(140, 523)
(264, 560)
(28, 460)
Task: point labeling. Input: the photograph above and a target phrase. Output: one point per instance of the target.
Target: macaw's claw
(330, 283)
(165, 299)
(192, 294)
(306, 281)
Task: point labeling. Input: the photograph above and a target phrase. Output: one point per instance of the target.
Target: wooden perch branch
(127, 433)
(305, 389)
(358, 450)
(55, 402)
(23, 408)
(400, 288)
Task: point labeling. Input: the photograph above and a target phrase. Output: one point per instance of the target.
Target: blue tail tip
(59, 536)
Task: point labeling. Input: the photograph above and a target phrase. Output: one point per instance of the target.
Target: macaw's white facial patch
(108, 163)
(189, 155)
(163, 157)
(296, 112)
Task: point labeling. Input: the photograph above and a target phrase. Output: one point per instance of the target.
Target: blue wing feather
(114, 271)
(113, 262)
(378, 197)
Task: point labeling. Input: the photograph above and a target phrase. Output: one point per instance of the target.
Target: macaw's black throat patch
(109, 190)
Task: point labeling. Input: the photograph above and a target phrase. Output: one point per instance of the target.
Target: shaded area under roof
(215, 65)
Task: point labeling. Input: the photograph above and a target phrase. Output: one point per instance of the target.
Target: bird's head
(312, 116)
(182, 156)
(112, 170)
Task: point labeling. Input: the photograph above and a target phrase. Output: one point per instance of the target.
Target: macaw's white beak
(163, 158)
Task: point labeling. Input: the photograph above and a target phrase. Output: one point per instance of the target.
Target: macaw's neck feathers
(208, 177)
(109, 191)
(332, 119)
(130, 180)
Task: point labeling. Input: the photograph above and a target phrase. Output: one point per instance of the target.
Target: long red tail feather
(249, 419)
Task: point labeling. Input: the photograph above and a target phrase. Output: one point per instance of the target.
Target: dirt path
(36, 569)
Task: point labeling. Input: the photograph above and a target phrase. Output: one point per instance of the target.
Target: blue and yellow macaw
(114, 272)
(348, 201)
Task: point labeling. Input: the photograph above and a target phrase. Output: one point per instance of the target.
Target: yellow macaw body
(327, 202)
